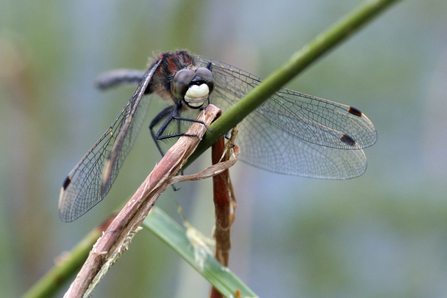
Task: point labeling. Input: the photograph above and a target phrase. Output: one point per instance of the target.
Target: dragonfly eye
(207, 76)
(181, 81)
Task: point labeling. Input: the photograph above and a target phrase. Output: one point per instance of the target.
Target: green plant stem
(324, 42)
(67, 266)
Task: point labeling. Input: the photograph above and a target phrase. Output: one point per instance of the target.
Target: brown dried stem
(224, 204)
(116, 238)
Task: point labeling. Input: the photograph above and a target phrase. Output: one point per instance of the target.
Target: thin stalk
(222, 209)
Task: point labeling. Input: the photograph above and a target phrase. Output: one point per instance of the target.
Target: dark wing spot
(66, 183)
(348, 140)
(355, 111)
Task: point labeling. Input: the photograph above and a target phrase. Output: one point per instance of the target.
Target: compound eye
(207, 76)
(180, 83)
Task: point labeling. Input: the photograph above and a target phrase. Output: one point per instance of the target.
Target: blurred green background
(381, 235)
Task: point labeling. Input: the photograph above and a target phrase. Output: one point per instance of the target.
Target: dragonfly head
(193, 86)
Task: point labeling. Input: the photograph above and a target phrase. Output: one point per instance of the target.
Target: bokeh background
(381, 235)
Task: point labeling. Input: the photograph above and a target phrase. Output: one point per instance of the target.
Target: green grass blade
(176, 237)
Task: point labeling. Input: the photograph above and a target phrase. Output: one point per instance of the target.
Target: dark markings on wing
(91, 179)
(295, 133)
(66, 183)
(355, 111)
(348, 140)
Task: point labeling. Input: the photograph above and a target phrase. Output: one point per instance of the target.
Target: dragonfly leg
(170, 113)
(156, 136)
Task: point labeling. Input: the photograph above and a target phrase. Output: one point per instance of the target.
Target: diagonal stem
(323, 43)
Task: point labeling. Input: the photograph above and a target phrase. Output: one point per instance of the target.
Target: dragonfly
(290, 133)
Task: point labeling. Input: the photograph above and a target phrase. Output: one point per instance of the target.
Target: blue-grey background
(381, 235)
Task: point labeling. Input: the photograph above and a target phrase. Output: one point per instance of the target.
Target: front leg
(156, 136)
(170, 113)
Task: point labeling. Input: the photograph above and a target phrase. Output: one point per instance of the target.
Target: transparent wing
(91, 179)
(295, 133)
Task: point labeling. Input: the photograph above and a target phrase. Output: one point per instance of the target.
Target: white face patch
(196, 95)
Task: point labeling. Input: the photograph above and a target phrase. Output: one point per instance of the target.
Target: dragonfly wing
(295, 133)
(88, 183)
(268, 147)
